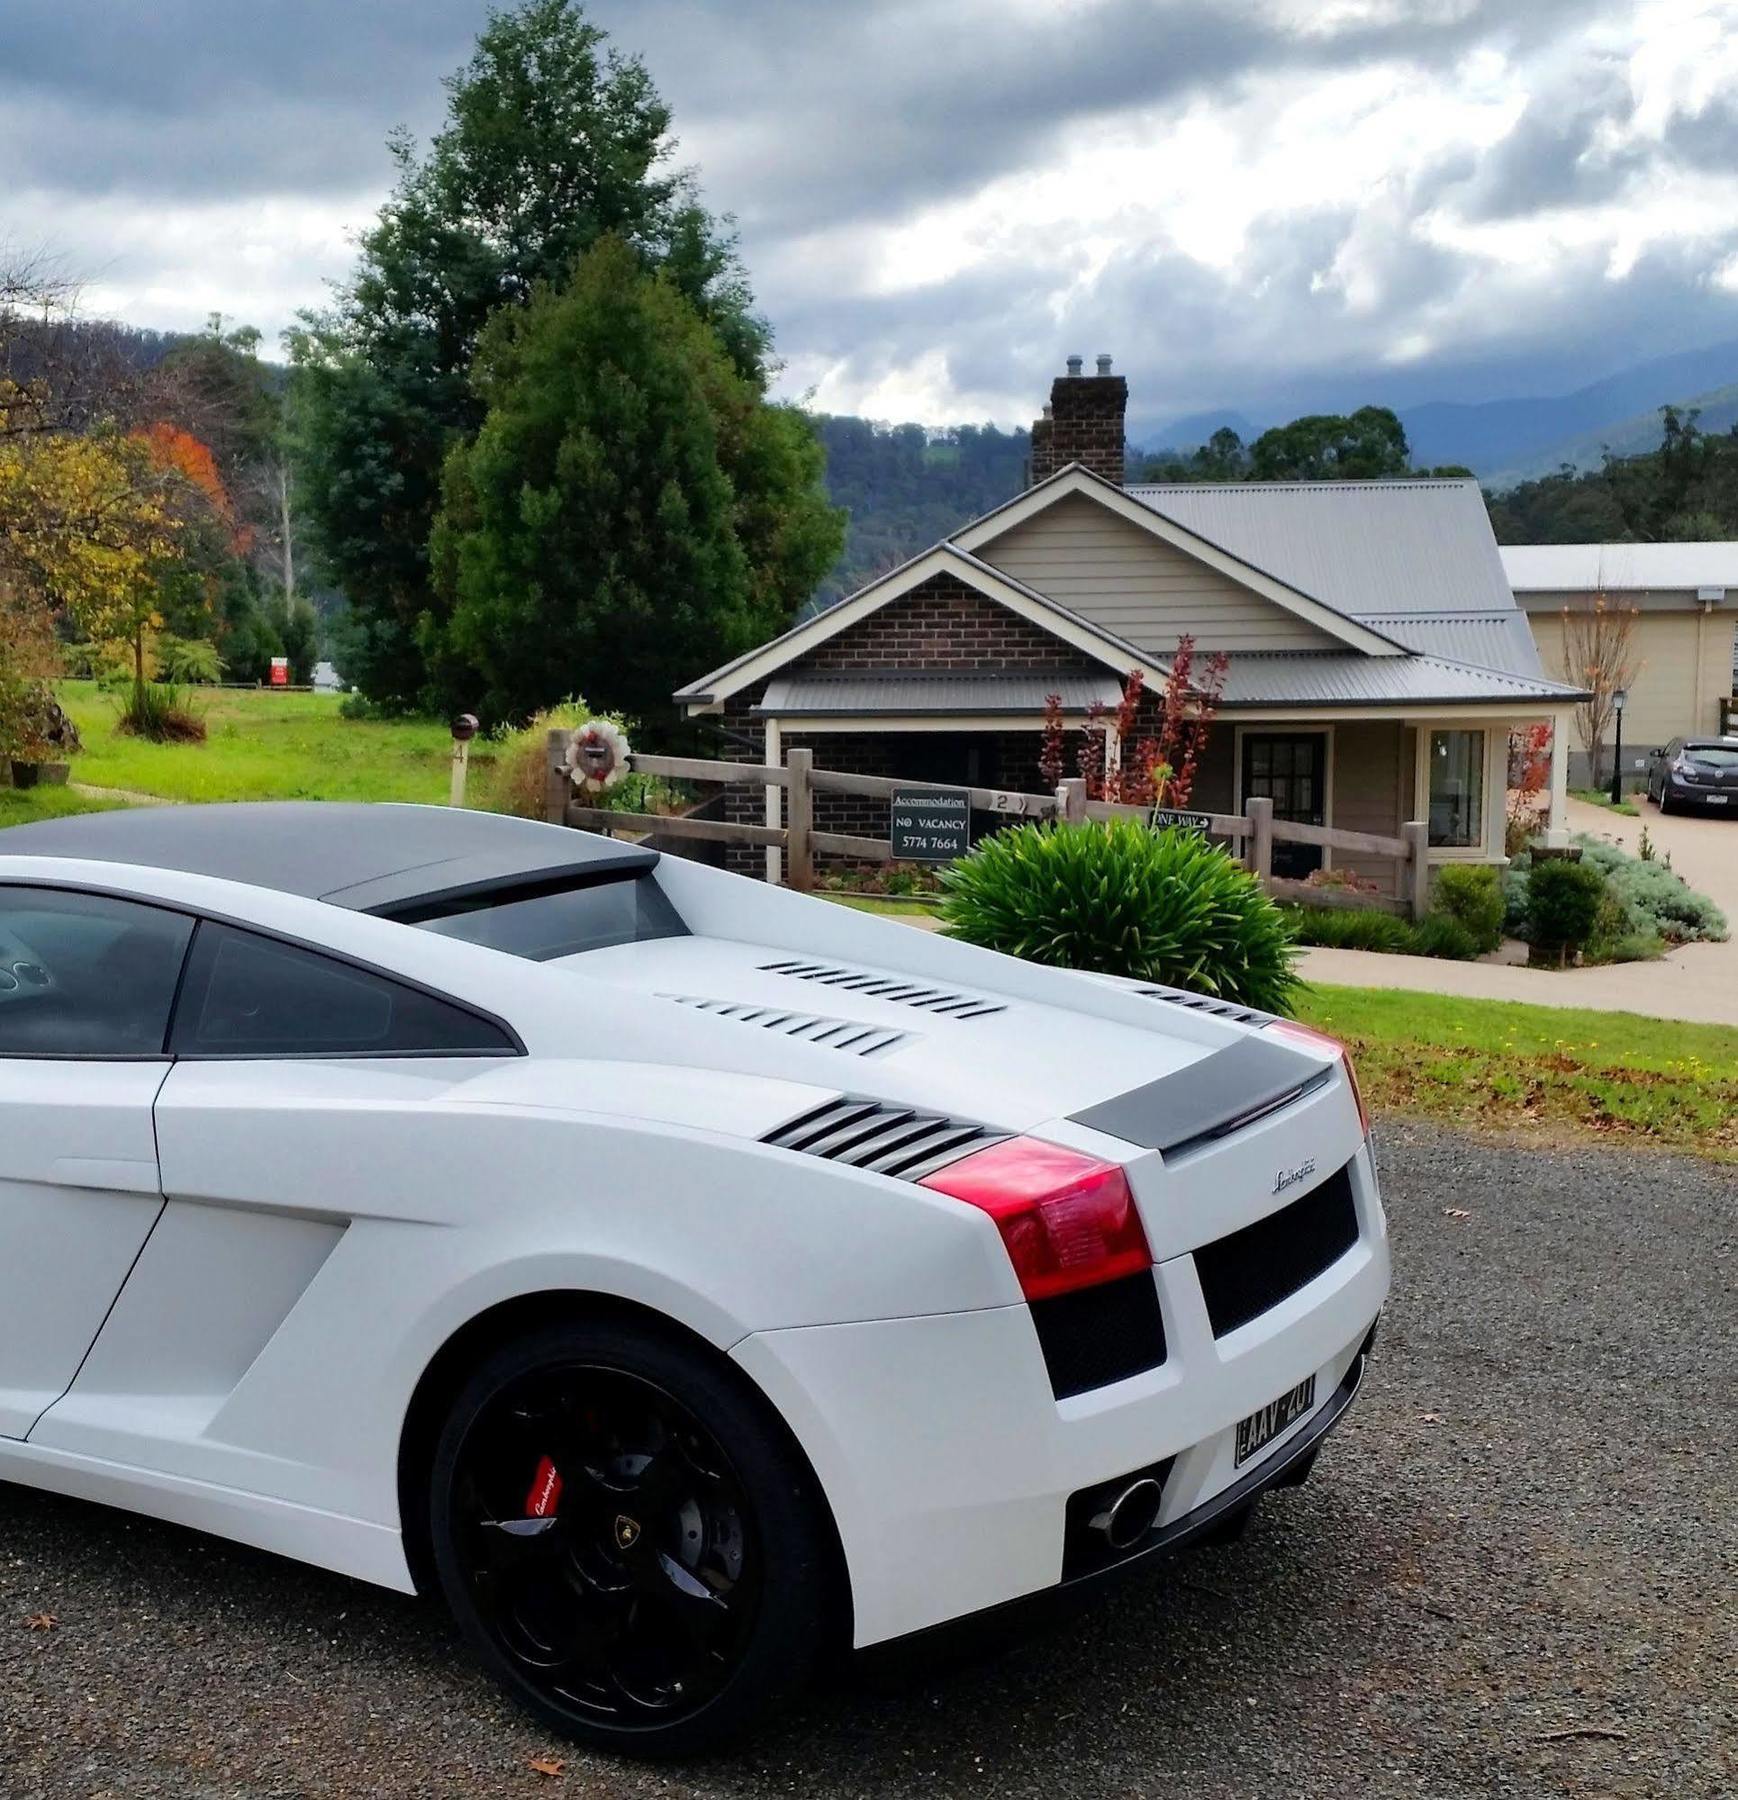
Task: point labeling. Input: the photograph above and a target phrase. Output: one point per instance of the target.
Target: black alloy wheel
(626, 1540)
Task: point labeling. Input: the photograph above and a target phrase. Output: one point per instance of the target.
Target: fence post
(1259, 811)
(1417, 837)
(799, 821)
(1071, 801)
(555, 782)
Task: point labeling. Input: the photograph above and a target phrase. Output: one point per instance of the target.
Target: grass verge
(1602, 797)
(1504, 1064)
(21, 806)
(266, 746)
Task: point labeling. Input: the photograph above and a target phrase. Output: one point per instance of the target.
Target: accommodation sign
(928, 825)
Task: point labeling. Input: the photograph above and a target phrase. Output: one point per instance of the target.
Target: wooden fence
(1255, 832)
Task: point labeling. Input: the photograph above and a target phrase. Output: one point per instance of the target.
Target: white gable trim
(1063, 625)
(1076, 480)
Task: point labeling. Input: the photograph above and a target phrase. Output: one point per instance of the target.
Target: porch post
(774, 802)
(1557, 813)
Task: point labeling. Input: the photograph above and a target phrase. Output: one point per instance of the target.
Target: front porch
(1347, 772)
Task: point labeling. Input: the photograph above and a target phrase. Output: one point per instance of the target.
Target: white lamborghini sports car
(679, 1274)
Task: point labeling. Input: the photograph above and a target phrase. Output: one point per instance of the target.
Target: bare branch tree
(1599, 655)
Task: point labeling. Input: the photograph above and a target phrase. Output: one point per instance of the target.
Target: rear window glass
(1713, 756)
(252, 996)
(544, 923)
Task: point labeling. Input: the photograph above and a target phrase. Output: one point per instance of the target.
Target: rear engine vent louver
(849, 1035)
(891, 1140)
(1221, 1009)
(900, 992)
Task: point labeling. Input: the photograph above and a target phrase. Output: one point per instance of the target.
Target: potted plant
(38, 734)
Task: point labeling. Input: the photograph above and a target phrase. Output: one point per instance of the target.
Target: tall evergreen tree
(632, 510)
(552, 139)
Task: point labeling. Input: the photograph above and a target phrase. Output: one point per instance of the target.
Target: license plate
(1718, 799)
(1265, 1424)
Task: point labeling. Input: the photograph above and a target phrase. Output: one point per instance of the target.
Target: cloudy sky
(1261, 204)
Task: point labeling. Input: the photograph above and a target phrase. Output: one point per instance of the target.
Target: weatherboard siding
(1121, 577)
(1372, 792)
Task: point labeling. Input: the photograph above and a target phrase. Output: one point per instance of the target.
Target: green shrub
(1440, 934)
(1337, 928)
(1515, 895)
(1563, 901)
(1121, 899)
(188, 661)
(514, 780)
(159, 711)
(1471, 896)
(1351, 928)
(1656, 901)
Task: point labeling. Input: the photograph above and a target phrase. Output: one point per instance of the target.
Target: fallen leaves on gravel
(41, 1622)
(546, 1765)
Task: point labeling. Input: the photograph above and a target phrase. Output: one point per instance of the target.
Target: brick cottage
(1377, 661)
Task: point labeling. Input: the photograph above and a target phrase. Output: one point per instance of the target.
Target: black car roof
(380, 858)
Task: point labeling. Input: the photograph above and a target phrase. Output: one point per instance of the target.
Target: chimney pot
(1103, 363)
(1049, 410)
(1076, 364)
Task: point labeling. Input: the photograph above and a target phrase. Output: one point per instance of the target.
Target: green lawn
(19, 806)
(1497, 1062)
(266, 746)
(880, 903)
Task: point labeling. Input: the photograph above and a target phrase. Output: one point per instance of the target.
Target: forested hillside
(908, 486)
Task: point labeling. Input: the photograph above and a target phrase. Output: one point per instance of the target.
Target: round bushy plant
(1472, 896)
(1563, 902)
(1121, 899)
(1440, 934)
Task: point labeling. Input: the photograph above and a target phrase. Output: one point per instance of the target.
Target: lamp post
(1617, 700)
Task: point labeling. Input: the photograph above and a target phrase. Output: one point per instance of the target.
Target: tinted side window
(84, 975)
(252, 996)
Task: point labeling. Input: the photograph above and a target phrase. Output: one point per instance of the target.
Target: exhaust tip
(1131, 1515)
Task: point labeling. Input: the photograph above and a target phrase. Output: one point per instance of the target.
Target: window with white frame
(1457, 789)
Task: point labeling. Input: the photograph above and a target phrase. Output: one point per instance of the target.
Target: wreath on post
(597, 758)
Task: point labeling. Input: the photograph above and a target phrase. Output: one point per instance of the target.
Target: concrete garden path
(1698, 982)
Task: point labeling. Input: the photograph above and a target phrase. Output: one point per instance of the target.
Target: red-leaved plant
(1152, 771)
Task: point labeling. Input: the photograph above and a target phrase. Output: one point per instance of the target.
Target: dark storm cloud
(819, 125)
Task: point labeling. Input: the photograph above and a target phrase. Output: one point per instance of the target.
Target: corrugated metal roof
(1367, 548)
(1018, 692)
(1494, 640)
(1336, 678)
(1586, 568)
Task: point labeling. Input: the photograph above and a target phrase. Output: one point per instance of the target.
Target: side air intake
(850, 1035)
(891, 1140)
(943, 1001)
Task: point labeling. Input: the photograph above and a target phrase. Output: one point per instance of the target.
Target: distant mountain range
(1505, 441)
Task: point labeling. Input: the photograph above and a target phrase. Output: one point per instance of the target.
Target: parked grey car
(1695, 772)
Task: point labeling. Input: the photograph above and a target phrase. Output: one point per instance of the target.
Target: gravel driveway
(1514, 1572)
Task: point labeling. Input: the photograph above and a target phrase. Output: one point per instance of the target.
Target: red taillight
(1068, 1220)
(1319, 1040)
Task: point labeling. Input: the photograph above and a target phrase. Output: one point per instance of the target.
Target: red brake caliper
(545, 1493)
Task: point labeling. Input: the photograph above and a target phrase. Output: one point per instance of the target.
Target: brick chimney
(1083, 423)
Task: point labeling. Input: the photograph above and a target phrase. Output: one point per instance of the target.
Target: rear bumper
(950, 1465)
(1288, 1466)
(1712, 799)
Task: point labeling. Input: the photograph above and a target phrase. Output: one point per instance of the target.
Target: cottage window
(1457, 789)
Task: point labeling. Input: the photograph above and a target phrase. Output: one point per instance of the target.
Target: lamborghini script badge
(627, 1532)
(1291, 1177)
